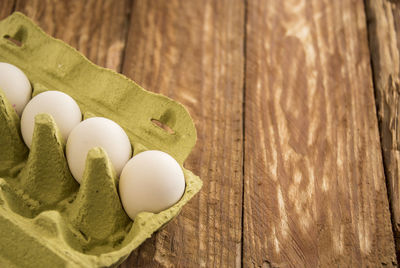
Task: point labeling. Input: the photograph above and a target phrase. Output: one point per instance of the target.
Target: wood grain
(315, 191)
(314, 186)
(6, 8)
(96, 28)
(384, 40)
(192, 51)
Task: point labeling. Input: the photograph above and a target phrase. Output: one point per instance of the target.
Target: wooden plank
(192, 51)
(384, 41)
(6, 8)
(96, 28)
(315, 191)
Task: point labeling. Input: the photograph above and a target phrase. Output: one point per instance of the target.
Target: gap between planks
(383, 36)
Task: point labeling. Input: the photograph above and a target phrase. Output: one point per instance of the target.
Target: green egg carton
(46, 218)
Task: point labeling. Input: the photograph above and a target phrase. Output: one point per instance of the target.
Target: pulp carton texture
(46, 218)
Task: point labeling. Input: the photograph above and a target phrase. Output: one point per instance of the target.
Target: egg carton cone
(46, 218)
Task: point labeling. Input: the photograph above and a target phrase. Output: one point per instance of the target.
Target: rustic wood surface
(282, 96)
(313, 168)
(384, 36)
(192, 51)
(98, 29)
(6, 7)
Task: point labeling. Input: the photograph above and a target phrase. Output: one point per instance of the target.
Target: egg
(15, 85)
(151, 181)
(60, 106)
(97, 132)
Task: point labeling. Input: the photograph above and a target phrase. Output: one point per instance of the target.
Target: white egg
(15, 85)
(151, 181)
(97, 132)
(60, 106)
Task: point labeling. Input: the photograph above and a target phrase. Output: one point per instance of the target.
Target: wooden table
(300, 159)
